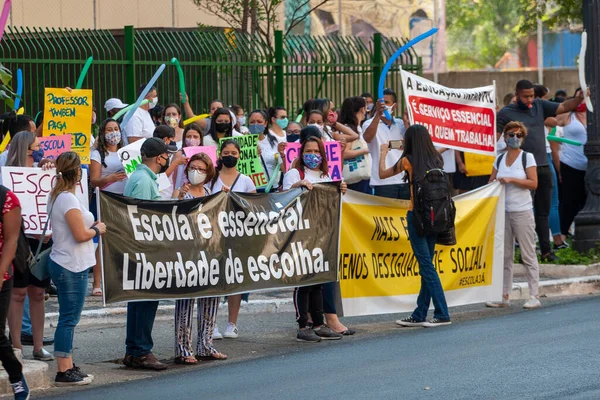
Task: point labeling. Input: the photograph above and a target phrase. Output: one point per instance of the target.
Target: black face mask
(222, 127)
(163, 168)
(229, 161)
(521, 105)
(294, 137)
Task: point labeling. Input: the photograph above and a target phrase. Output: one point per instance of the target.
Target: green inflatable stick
(553, 138)
(175, 62)
(84, 71)
(275, 175)
(124, 110)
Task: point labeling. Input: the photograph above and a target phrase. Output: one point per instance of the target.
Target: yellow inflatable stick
(194, 119)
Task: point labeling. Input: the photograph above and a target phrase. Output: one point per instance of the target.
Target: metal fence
(237, 68)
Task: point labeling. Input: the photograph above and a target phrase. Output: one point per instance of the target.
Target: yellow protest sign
(478, 165)
(70, 113)
(378, 271)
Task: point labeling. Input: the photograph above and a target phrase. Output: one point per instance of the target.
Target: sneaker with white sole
(20, 389)
(43, 355)
(498, 304)
(217, 334)
(437, 322)
(307, 335)
(325, 333)
(231, 331)
(533, 302)
(410, 322)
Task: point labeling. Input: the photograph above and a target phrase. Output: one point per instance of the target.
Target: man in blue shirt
(142, 184)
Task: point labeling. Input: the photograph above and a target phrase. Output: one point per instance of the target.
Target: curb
(36, 374)
(559, 287)
(561, 271)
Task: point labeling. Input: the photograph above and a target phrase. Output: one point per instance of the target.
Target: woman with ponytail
(72, 255)
(273, 141)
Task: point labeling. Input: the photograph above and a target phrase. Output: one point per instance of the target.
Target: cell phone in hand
(396, 144)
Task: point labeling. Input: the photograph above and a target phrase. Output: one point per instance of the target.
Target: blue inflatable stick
(19, 88)
(394, 57)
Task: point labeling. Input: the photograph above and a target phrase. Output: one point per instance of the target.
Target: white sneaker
(231, 331)
(217, 334)
(533, 302)
(498, 304)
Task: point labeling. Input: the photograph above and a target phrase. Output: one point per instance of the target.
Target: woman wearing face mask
(228, 179)
(278, 121)
(171, 116)
(192, 137)
(271, 144)
(311, 168)
(240, 117)
(293, 132)
(199, 171)
(106, 173)
(517, 170)
(221, 126)
(352, 114)
(25, 152)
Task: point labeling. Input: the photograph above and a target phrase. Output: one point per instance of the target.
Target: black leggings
(571, 195)
(541, 204)
(9, 361)
(305, 298)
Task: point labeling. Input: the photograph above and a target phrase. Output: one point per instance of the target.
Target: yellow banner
(70, 113)
(378, 271)
(478, 165)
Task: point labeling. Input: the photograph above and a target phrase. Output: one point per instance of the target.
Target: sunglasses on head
(512, 134)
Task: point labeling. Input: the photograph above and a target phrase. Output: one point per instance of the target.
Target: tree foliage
(554, 14)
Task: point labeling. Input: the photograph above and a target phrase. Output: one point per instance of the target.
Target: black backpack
(434, 209)
(23, 256)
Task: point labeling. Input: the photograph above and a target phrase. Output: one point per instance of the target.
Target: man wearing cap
(141, 125)
(113, 106)
(142, 184)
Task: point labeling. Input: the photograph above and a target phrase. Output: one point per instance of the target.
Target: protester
(228, 179)
(205, 122)
(311, 168)
(167, 135)
(370, 105)
(141, 125)
(192, 137)
(419, 155)
(293, 132)
(142, 185)
(271, 141)
(573, 166)
(171, 116)
(240, 116)
(315, 118)
(72, 255)
(11, 122)
(379, 131)
(106, 173)
(532, 113)
(10, 224)
(113, 106)
(25, 152)
(461, 181)
(516, 169)
(357, 152)
(156, 114)
(220, 127)
(199, 172)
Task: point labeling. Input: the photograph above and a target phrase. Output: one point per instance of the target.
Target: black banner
(224, 244)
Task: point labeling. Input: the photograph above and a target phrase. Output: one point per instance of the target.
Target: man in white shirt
(377, 131)
(141, 125)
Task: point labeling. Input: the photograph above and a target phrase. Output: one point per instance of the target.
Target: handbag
(359, 168)
(39, 263)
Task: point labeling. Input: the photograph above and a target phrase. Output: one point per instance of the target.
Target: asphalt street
(550, 353)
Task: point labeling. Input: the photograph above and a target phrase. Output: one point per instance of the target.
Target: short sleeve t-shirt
(384, 134)
(517, 198)
(268, 152)
(209, 141)
(140, 125)
(113, 164)
(533, 118)
(243, 185)
(10, 203)
(66, 251)
(293, 176)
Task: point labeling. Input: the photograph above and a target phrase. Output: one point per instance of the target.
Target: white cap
(114, 103)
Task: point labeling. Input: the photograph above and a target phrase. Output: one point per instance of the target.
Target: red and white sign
(461, 119)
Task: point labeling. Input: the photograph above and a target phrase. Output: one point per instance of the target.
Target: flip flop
(184, 361)
(348, 332)
(215, 356)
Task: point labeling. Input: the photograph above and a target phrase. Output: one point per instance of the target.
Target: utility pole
(540, 51)
(587, 222)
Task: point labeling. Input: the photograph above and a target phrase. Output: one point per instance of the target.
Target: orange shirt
(407, 167)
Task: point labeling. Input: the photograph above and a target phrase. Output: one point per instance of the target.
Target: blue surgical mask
(256, 129)
(514, 142)
(37, 155)
(312, 161)
(283, 123)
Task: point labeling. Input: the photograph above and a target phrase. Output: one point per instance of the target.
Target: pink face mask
(192, 142)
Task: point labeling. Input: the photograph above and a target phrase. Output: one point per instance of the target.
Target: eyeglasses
(197, 169)
(294, 132)
(512, 134)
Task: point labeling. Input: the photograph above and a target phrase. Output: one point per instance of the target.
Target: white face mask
(153, 103)
(196, 177)
(320, 127)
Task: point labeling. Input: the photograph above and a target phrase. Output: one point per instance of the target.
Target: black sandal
(185, 361)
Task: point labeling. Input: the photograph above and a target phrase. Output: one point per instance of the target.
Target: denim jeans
(554, 215)
(329, 298)
(431, 286)
(400, 191)
(362, 187)
(140, 321)
(72, 288)
(26, 321)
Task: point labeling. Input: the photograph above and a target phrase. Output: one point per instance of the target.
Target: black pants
(541, 203)
(571, 194)
(9, 361)
(305, 298)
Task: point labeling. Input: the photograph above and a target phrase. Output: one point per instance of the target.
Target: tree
(260, 16)
(6, 93)
(554, 14)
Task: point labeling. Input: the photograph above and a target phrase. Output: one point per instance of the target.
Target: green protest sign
(249, 163)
